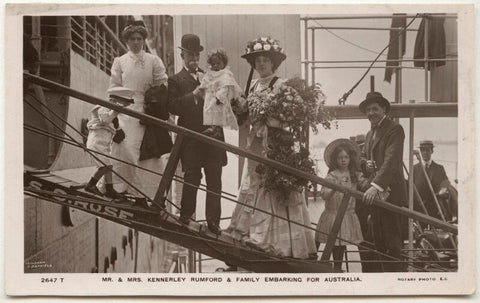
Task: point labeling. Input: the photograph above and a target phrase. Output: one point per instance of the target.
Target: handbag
(119, 136)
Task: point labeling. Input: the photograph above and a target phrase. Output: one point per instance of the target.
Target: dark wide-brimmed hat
(426, 144)
(191, 43)
(264, 46)
(374, 97)
(327, 155)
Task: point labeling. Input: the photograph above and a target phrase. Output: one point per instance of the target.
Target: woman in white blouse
(138, 71)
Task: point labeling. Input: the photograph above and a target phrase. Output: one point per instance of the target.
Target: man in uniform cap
(185, 100)
(381, 162)
(439, 181)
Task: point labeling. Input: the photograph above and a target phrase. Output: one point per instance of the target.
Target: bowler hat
(191, 43)
(426, 143)
(374, 97)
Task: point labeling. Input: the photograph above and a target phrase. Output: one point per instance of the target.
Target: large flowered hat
(264, 46)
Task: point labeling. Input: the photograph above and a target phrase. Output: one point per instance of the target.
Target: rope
(345, 40)
(85, 149)
(277, 258)
(70, 142)
(343, 99)
(56, 115)
(84, 137)
(79, 145)
(285, 219)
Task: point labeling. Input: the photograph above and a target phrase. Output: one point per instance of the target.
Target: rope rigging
(207, 241)
(227, 198)
(72, 141)
(343, 99)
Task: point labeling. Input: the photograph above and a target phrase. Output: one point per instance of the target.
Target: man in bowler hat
(382, 163)
(447, 194)
(185, 100)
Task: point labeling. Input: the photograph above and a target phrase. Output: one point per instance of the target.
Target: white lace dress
(221, 89)
(137, 72)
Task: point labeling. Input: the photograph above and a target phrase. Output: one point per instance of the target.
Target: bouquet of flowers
(296, 107)
(284, 149)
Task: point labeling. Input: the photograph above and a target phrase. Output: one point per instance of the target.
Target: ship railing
(181, 132)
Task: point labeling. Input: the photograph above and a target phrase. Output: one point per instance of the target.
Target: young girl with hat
(341, 156)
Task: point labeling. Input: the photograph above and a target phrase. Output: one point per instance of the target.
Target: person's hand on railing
(370, 195)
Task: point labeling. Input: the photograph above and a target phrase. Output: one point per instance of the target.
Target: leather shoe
(184, 221)
(141, 202)
(214, 228)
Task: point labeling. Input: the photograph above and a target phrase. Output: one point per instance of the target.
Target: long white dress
(221, 87)
(137, 72)
(272, 234)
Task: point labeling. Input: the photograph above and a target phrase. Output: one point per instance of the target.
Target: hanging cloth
(393, 51)
(436, 42)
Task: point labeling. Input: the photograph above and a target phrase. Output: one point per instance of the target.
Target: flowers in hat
(263, 44)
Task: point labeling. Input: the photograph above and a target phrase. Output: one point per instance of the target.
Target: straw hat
(426, 143)
(338, 142)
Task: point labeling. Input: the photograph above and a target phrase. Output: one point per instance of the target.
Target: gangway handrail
(236, 150)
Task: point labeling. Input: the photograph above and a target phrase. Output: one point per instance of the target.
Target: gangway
(157, 221)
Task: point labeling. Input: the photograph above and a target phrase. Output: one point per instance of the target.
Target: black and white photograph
(240, 150)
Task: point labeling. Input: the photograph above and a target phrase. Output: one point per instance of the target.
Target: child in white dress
(101, 131)
(220, 90)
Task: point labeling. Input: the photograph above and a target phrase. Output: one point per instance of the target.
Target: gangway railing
(165, 181)
(241, 152)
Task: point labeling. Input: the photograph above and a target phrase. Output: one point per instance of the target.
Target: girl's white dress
(137, 72)
(100, 133)
(350, 229)
(272, 234)
(220, 89)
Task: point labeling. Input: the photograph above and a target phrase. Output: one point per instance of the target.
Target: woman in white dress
(271, 234)
(138, 71)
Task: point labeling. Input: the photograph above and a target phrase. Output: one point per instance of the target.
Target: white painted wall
(89, 79)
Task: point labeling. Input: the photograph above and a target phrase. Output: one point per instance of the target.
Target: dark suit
(438, 178)
(194, 154)
(385, 146)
